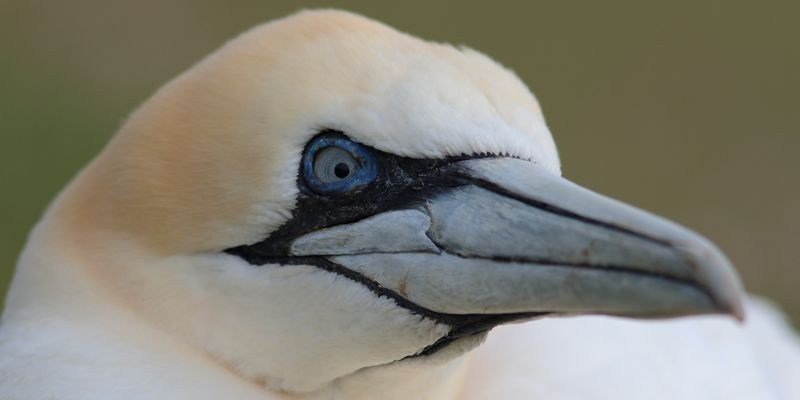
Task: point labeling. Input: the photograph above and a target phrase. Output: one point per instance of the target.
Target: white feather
(122, 292)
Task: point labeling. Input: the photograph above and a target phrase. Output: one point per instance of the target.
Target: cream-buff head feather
(211, 161)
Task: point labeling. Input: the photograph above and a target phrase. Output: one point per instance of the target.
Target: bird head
(325, 194)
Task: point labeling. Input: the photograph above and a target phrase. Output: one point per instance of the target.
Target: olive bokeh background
(685, 108)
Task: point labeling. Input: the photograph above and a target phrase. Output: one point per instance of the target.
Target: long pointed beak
(520, 239)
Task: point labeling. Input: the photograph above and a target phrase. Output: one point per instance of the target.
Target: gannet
(327, 208)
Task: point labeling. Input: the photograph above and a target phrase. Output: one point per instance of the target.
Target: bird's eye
(332, 163)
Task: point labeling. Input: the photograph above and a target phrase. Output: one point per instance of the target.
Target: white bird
(326, 208)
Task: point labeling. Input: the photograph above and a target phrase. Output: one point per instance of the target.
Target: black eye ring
(346, 174)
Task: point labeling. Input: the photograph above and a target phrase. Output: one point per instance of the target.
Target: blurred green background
(685, 108)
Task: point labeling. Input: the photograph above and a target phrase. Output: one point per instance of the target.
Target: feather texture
(124, 291)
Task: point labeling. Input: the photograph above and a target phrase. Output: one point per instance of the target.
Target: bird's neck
(60, 327)
(411, 379)
(54, 301)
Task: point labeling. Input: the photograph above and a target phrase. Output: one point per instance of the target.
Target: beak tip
(735, 309)
(729, 294)
(721, 279)
(739, 316)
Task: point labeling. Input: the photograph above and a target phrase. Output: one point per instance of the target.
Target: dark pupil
(341, 170)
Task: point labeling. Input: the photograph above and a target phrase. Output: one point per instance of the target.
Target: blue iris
(332, 163)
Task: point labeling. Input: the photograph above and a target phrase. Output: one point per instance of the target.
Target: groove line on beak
(458, 322)
(589, 266)
(493, 187)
